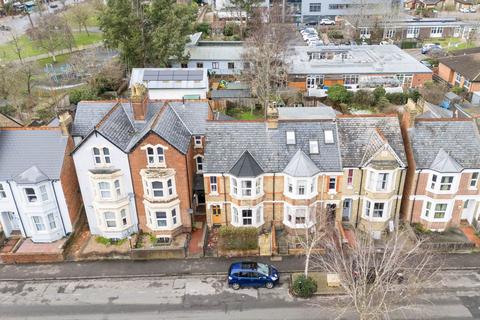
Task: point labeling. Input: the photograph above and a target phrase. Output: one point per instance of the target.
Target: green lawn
(452, 44)
(7, 51)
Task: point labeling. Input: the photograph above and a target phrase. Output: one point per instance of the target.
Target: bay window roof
(301, 166)
(246, 166)
(32, 175)
(443, 162)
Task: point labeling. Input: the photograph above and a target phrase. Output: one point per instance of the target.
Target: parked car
(53, 6)
(473, 10)
(464, 10)
(252, 274)
(4, 28)
(327, 22)
(430, 47)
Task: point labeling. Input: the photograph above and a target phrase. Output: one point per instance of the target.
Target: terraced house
(444, 173)
(138, 161)
(290, 172)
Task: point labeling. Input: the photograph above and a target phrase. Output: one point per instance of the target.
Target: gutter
(58, 206)
(16, 206)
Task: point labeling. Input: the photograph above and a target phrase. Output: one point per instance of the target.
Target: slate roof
(173, 121)
(356, 137)
(227, 141)
(230, 93)
(88, 114)
(443, 162)
(246, 167)
(20, 150)
(459, 139)
(32, 175)
(304, 113)
(467, 65)
(301, 166)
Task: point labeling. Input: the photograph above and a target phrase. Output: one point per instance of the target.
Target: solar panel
(149, 77)
(150, 73)
(175, 75)
(195, 75)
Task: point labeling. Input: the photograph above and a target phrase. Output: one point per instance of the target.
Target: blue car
(252, 274)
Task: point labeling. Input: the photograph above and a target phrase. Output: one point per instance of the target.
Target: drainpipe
(395, 214)
(192, 216)
(18, 211)
(273, 204)
(359, 195)
(133, 195)
(58, 206)
(225, 200)
(414, 196)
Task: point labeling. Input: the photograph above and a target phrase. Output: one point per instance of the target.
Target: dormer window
(290, 137)
(313, 146)
(197, 141)
(155, 156)
(328, 136)
(101, 155)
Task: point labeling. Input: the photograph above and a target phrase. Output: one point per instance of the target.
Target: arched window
(101, 155)
(199, 163)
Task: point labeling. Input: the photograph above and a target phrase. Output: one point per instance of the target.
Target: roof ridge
(104, 118)
(41, 128)
(180, 118)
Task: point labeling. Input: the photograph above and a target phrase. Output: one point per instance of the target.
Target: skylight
(328, 136)
(313, 146)
(290, 137)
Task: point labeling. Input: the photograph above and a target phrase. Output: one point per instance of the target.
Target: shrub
(458, 90)
(383, 103)
(8, 110)
(397, 98)
(414, 95)
(103, 240)
(78, 95)
(238, 238)
(339, 94)
(363, 98)
(378, 93)
(304, 287)
(229, 30)
(204, 27)
(335, 34)
(419, 228)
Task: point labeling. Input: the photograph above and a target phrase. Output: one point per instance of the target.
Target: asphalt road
(453, 295)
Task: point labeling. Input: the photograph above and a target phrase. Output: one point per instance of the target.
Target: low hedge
(238, 238)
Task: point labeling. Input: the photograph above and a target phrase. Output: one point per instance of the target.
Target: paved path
(204, 266)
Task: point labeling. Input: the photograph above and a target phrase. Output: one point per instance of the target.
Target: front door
(347, 210)
(468, 210)
(216, 214)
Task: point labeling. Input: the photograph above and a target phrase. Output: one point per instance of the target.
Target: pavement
(451, 295)
(161, 268)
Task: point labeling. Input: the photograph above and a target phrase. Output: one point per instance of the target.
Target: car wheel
(269, 285)
(235, 286)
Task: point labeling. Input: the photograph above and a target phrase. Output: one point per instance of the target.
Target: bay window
(38, 223)
(115, 219)
(246, 187)
(110, 220)
(436, 211)
(51, 221)
(442, 183)
(379, 181)
(247, 216)
(300, 187)
(43, 193)
(34, 194)
(3, 193)
(375, 210)
(156, 188)
(163, 218)
(104, 188)
(297, 216)
(30, 194)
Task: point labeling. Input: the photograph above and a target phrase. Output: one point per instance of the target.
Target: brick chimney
(139, 100)
(65, 120)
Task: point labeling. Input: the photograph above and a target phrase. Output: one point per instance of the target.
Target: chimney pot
(139, 100)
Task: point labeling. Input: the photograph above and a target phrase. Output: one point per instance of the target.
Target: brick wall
(184, 174)
(420, 78)
(70, 186)
(446, 73)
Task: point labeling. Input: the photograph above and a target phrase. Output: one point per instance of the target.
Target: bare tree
(80, 14)
(52, 33)
(265, 54)
(311, 235)
(379, 282)
(26, 69)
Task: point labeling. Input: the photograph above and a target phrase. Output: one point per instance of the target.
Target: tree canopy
(148, 34)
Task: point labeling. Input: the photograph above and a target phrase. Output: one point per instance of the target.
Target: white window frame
(313, 146)
(40, 223)
(435, 183)
(32, 196)
(213, 184)
(373, 180)
(290, 216)
(466, 84)
(390, 33)
(315, 7)
(239, 190)
(413, 32)
(365, 33)
(290, 135)
(474, 179)
(215, 65)
(3, 192)
(112, 219)
(101, 156)
(238, 220)
(51, 220)
(332, 180)
(369, 208)
(105, 186)
(197, 141)
(172, 214)
(429, 209)
(199, 165)
(155, 158)
(43, 193)
(293, 185)
(458, 78)
(436, 32)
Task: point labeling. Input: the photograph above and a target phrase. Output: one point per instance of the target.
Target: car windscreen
(262, 268)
